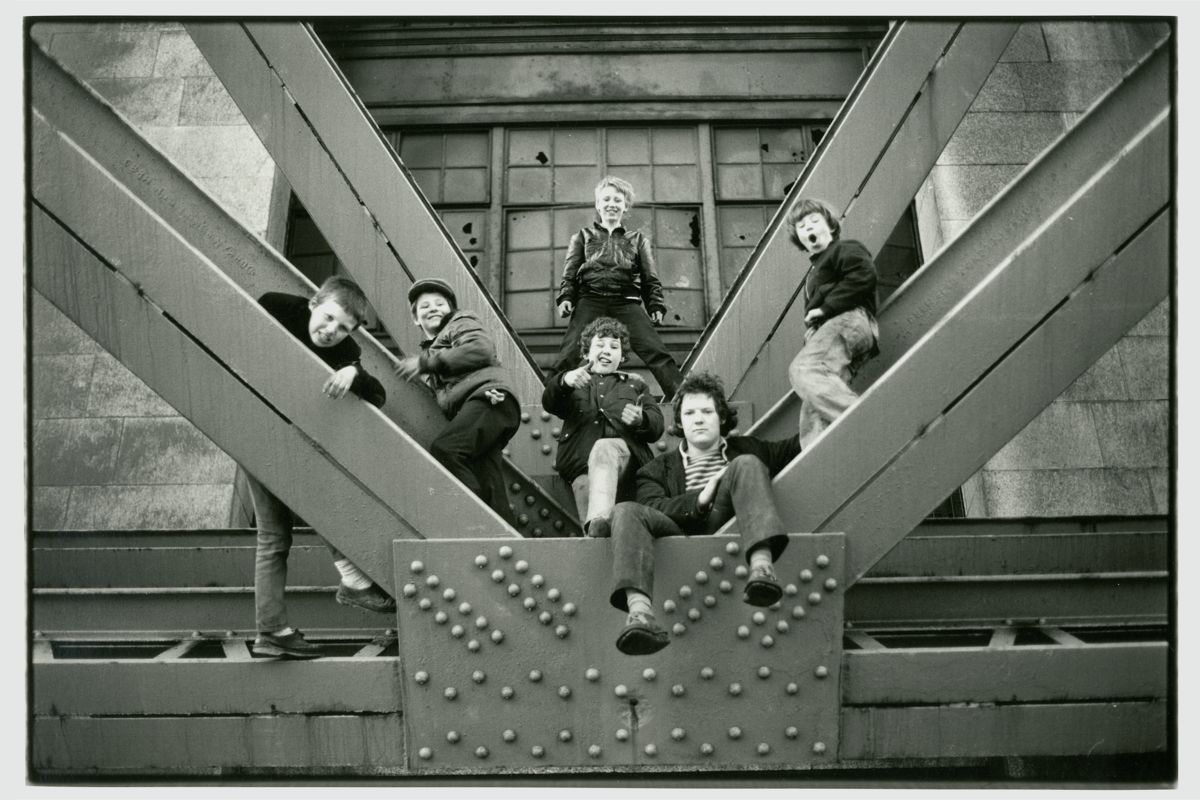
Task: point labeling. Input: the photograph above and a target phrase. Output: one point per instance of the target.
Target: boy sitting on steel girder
(696, 489)
(323, 324)
(608, 422)
(839, 316)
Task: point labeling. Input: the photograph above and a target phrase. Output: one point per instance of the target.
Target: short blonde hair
(622, 186)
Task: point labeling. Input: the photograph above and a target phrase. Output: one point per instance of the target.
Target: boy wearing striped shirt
(696, 489)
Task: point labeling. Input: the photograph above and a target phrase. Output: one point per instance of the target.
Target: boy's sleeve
(368, 387)
(277, 304)
(470, 349)
(781, 453)
(556, 397)
(858, 275)
(652, 291)
(651, 428)
(567, 288)
(683, 509)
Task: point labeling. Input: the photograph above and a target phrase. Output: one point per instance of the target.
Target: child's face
(813, 232)
(329, 323)
(700, 421)
(611, 204)
(604, 354)
(429, 311)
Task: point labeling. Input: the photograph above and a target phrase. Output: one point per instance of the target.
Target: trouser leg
(745, 491)
(645, 340)
(634, 529)
(569, 355)
(470, 448)
(821, 371)
(274, 542)
(606, 462)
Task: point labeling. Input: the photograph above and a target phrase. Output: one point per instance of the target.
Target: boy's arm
(368, 387)
(652, 291)
(556, 397)
(858, 275)
(651, 427)
(651, 491)
(780, 453)
(470, 349)
(567, 290)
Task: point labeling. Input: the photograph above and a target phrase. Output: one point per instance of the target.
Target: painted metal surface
(509, 661)
(350, 180)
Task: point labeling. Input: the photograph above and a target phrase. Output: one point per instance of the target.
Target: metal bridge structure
(900, 641)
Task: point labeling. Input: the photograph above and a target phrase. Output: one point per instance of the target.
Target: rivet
(524, 416)
(621, 690)
(678, 690)
(529, 603)
(195, 634)
(735, 732)
(473, 645)
(767, 641)
(535, 434)
(782, 626)
(564, 735)
(791, 688)
(556, 432)
(553, 594)
(774, 606)
(709, 601)
(425, 604)
(530, 499)
(545, 415)
(544, 513)
(649, 674)
(478, 676)
(537, 581)
(706, 749)
(516, 487)
(790, 590)
(732, 548)
(432, 581)
(450, 693)
(537, 531)
(507, 693)
(685, 592)
(805, 575)
(569, 609)
(421, 677)
(763, 748)
(546, 449)
(716, 563)
(798, 612)
(535, 675)
(481, 561)
(441, 617)
(735, 689)
(464, 608)
(425, 753)
(701, 577)
(388, 632)
(592, 674)
(830, 584)
(537, 751)
(481, 752)
(561, 631)
(758, 617)
(694, 614)
(522, 519)
(743, 632)
(706, 673)
(564, 692)
(498, 575)
(481, 623)
(409, 590)
(558, 524)
(764, 672)
(594, 751)
(416, 567)
(821, 672)
(725, 586)
(791, 732)
(497, 636)
(669, 606)
(814, 598)
(818, 747)
(622, 735)
(545, 617)
(509, 735)
(679, 629)
(506, 551)
(452, 737)
(650, 749)
(514, 589)
(521, 566)
(741, 571)
(822, 561)
(449, 595)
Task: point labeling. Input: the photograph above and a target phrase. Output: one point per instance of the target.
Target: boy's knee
(623, 512)
(747, 463)
(607, 451)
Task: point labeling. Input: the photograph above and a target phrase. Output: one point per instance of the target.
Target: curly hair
(705, 383)
(604, 326)
(805, 206)
(346, 293)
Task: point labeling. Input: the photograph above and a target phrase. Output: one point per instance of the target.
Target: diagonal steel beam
(351, 181)
(243, 257)
(904, 108)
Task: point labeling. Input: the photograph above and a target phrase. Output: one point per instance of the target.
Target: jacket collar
(683, 450)
(617, 231)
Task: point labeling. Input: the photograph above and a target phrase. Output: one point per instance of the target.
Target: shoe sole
(641, 642)
(279, 652)
(762, 593)
(345, 602)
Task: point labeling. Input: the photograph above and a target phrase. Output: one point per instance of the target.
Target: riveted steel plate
(509, 660)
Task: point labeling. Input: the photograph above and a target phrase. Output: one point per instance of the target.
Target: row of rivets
(595, 751)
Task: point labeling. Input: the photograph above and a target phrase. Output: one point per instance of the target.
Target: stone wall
(108, 453)
(1101, 447)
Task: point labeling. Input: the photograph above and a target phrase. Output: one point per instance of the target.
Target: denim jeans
(596, 490)
(821, 371)
(274, 520)
(744, 491)
(643, 338)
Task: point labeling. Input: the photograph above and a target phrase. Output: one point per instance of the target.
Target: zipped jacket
(460, 362)
(612, 265)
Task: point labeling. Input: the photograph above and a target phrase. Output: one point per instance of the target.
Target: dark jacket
(842, 277)
(293, 313)
(594, 412)
(613, 265)
(460, 362)
(662, 483)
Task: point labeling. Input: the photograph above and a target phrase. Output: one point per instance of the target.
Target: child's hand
(631, 414)
(496, 396)
(408, 368)
(657, 315)
(565, 308)
(339, 382)
(705, 500)
(813, 316)
(578, 378)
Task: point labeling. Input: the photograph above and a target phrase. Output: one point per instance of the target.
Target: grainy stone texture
(170, 450)
(60, 385)
(1067, 492)
(1028, 44)
(149, 507)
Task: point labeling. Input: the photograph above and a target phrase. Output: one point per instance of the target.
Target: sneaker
(641, 635)
(371, 598)
(291, 644)
(762, 587)
(598, 528)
